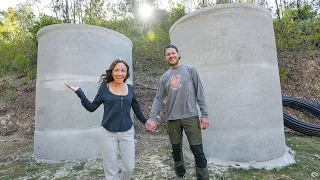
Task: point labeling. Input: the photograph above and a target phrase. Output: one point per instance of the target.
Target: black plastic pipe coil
(298, 125)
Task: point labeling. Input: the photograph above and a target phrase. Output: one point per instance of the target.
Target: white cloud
(5, 4)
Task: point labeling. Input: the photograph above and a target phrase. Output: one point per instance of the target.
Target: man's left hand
(151, 125)
(204, 123)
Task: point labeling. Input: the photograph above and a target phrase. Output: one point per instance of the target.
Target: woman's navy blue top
(116, 115)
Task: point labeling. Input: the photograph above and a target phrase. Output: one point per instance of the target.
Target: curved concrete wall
(76, 54)
(233, 47)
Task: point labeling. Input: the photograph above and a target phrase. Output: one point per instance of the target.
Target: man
(182, 86)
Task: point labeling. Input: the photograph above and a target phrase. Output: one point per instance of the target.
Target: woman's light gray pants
(111, 142)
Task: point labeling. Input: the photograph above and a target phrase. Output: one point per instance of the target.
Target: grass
(17, 162)
(307, 161)
(8, 89)
(25, 167)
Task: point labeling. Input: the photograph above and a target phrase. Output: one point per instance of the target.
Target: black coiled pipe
(298, 125)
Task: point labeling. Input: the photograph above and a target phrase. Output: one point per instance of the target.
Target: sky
(43, 6)
(4, 4)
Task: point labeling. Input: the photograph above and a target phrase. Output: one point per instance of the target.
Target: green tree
(17, 47)
(298, 31)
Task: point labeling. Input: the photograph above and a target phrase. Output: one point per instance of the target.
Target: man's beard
(173, 64)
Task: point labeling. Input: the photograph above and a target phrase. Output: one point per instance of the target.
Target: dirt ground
(17, 111)
(152, 149)
(303, 78)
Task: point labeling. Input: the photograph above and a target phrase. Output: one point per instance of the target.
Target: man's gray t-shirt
(184, 90)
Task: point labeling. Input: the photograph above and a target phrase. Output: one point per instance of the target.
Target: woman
(117, 126)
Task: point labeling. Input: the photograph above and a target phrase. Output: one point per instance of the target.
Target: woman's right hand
(73, 88)
(151, 125)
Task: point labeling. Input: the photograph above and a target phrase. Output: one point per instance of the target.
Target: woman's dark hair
(107, 77)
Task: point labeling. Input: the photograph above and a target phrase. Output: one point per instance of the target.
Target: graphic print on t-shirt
(176, 82)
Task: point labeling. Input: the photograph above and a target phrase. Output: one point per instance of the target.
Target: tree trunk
(54, 8)
(67, 12)
(277, 10)
(90, 10)
(74, 10)
(298, 10)
(283, 6)
(80, 10)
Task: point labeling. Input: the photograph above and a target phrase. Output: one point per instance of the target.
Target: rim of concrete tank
(220, 7)
(56, 27)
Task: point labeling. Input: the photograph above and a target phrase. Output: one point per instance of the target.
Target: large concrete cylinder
(76, 54)
(233, 48)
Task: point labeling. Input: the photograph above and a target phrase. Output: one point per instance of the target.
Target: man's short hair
(170, 46)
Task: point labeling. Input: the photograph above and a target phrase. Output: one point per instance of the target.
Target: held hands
(204, 123)
(151, 125)
(73, 88)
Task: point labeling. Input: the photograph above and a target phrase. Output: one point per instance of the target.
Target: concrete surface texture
(76, 54)
(233, 48)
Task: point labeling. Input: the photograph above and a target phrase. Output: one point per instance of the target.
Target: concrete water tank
(233, 48)
(76, 54)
